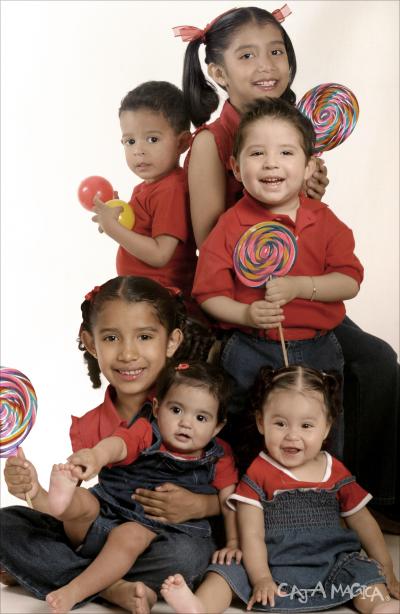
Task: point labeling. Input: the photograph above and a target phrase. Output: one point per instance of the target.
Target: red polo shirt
(162, 208)
(224, 129)
(325, 245)
(99, 423)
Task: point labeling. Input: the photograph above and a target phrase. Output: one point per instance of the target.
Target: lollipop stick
(29, 501)
(282, 338)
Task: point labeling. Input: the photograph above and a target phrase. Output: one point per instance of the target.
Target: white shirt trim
(358, 507)
(242, 500)
(274, 463)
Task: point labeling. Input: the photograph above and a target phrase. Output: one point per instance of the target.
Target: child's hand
(392, 583)
(281, 290)
(264, 592)
(87, 463)
(316, 185)
(263, 314)
(227, 555)
(21, 476)
(105, 217)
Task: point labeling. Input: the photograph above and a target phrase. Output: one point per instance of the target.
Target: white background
(65, 68)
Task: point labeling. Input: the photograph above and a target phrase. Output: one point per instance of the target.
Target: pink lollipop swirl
(265, 249)
(333, 111)
(18, 406)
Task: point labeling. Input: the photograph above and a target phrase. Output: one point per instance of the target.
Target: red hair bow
(90, 295)
(191, 33)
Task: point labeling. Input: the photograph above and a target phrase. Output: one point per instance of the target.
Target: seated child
(155, 132)
(273, 157)
(177, 446)
(297, 556)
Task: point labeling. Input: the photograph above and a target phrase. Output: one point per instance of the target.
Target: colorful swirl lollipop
(266, 249)
(18, 406)
(333, 110)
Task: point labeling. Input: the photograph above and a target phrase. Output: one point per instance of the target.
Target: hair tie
(281, 14)
(182, 366)
(192, 33)
(90, 295)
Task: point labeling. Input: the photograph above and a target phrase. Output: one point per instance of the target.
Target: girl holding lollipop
(131, 326)
(250, 56)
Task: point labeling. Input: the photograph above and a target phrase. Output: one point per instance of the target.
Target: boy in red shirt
(155, 132)
(272, 158)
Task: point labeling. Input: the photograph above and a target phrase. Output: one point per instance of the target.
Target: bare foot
(135, 597)
(62, 488)
(61, 600)
(179, 596)
(7, 579)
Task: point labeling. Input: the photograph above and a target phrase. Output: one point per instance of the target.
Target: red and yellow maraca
(95, 185)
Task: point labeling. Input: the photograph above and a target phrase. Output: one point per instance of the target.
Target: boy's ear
(235, 168)
(310, 167)
(184, 139)
(174, 341)
(260, 422)
(217, 74)
(88, 342)
(155, 407)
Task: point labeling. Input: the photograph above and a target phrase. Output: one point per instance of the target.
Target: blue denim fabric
(152, 468)
(35, 550)
(315, 560)
(371, 408)
(244, 355)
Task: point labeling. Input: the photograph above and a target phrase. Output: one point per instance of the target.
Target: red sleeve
(244, 492)
(352, 498)
(214, 272)
(171, 210)
(75, 435)
(340, 256)
(85, 430)
(225, 471)
(137, 438)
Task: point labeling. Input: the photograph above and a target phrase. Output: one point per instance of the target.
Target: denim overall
(152, 468)
(316, 561)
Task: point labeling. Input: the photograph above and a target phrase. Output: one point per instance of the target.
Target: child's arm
(155, 252)
(260, 314)
(207, 185)
(373, 542)
(89, 461)
(325, 288)
(255, 555)
(231, 549)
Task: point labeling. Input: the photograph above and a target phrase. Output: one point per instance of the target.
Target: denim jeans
(371, 408)
(35, 550)
(244, 355)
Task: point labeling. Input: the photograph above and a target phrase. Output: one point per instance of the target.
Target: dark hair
(197, 374)
(161, 97)
(171, 311)
(300, 379)
(294, 377)
(277, 109)
(201, 97)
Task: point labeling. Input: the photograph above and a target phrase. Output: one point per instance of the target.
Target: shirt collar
(110, 420)
(251, 211)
